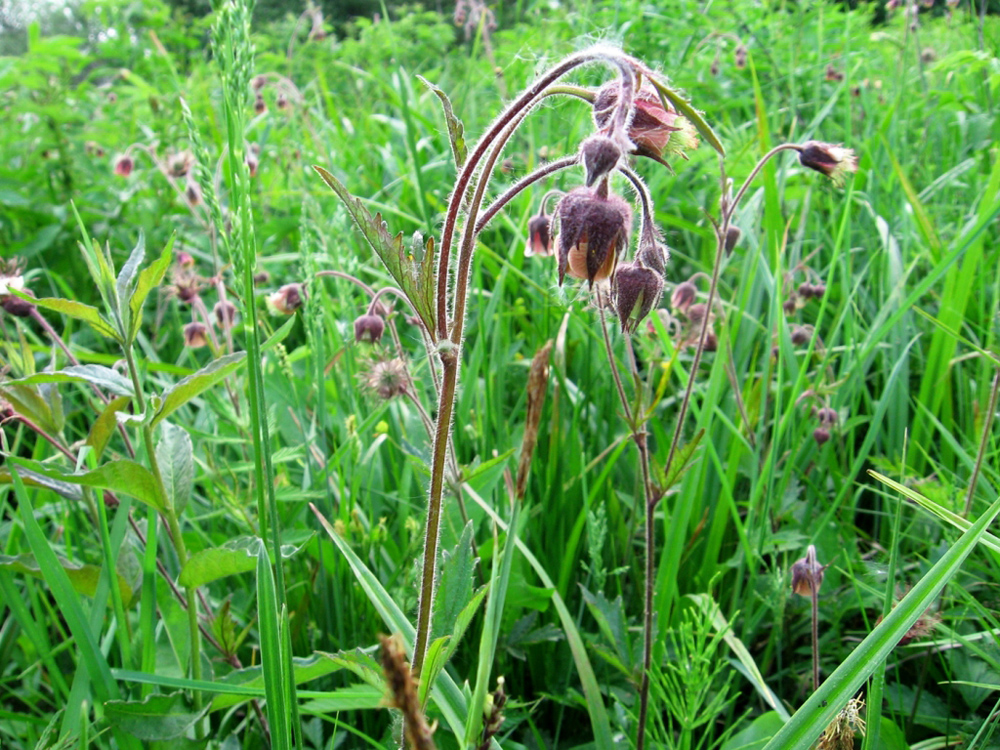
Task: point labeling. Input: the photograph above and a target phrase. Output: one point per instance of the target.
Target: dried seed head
(923, 627)
(123, 166)
(836, 162)
(386, 378)
(593, 231)
(539, 239)
(807, 574)
(684, 295)
(635, 290)
(225, 314)
(195, 335)
(600, 156)
(368, 328)
(287, 299)
(403, 694)
(839, 735)
(656, 131)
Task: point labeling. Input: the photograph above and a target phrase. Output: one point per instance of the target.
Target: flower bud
(539, 239)
(287, 299)
(654, 255)
(800, 335)
(740, 57)
(184, 259)
(225, 313)
(594, 229)
(711, 342)
(805, 290)
(684, 294)
(827, 416)
(368, 328)
(833, 161)
(179, 164)
(790, 305)
(807, 574)
(732, 237)
(635, 290)
(281, 102)
(19, 308)
(192, 193)
(123, 166)
(259, 106)
(600, 156)
(821, 435)
(195, 335)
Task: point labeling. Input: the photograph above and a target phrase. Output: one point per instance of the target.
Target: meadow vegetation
(220, 381)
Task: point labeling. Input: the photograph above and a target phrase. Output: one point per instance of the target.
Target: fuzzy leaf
(175, 455)
(415, 278)
(456, 130)
(159, 717)
(238, 555)
(29, 402)
(455, 578)
(102, 377)
(193, 385)
(79, 311)
(124, 477)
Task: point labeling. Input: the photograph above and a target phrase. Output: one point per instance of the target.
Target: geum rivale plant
(635, 113)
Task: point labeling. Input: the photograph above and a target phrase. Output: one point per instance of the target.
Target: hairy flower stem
(474, 174)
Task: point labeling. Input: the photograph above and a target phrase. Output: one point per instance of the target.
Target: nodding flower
(195, 335)
(807, 574)
(593, 230)
(836, 162)
(656, 131)
(287, 299)
(539, 239)
(124, 165)
(635, 290)
(368, 328)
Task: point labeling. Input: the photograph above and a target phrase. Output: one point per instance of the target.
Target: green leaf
(305, 669)
(271, 652)
(755, 736)
(83, 578)
(235, 556)
(456, 131)
(126, 280)
(351, 698)
(415, 278)
(175, 455)
(102, 377)
(159, 717)
(149, 279)
(818, 711)
(29, 402)
(123, 477)
(238, 555)
(79, 311)
(105, 425)
(63, 489)
(196, 383)
(455, 579)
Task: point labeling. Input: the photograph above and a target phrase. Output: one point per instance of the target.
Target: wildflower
(833, 161)
(807, 574)
(539, 239)
(258, 82)
(656, 131)
(386, 378)
(195, 335)
(123, 165)
(732, 238)
(281, 102)
(714, 69)
(185, 259)
(740, 57)
(192, 193)
(593, 230)
(684, 294)
(800, 335)
(225, 313)
(259, 106)
(252, 164)
(635, 290)
(600, 156)
(821, 435)
(839, 735)
(287, 299)
(368, 328)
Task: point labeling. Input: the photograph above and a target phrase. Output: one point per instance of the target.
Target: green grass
(901, 345)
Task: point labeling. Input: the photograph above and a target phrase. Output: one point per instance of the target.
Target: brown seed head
(387, 378)
(836, 162)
